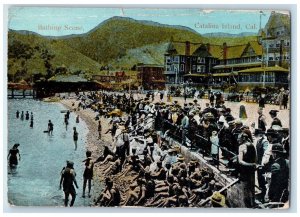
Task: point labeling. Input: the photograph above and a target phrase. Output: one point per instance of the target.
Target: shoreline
(92, 143)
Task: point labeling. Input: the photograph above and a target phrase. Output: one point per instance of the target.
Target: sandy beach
(97, 145)
(93, 144)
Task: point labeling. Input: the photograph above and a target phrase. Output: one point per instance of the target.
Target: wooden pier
(17, 94)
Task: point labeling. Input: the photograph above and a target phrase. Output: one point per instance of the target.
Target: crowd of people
(144, 168)
(144, 165)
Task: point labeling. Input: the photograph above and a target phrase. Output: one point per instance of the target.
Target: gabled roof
(258, 49)
(179, 48)
(202, 51)
(234, 51)
(278, 20)
(216, 51)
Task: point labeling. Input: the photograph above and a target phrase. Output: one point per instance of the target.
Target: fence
(199, 144)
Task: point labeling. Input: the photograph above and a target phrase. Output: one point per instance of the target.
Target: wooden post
(12, 93)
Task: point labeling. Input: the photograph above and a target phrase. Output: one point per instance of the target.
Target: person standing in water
(88, 173)
(75, 137)
(27, 116)
(12, 156)
(66, 121)
(77, 119)
(31, 120)
(50, 128)
(17, 114)
(31, 123)
(67, 179)
(22, 115)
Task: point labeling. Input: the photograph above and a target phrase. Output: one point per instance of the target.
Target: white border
(216, 4)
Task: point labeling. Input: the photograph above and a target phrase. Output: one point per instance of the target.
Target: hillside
(30, 54)
(117, 42)
(111, 39)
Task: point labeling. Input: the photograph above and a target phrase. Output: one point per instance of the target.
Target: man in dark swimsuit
(88, 173)
(50, 128)
(12, 156)
(27, 116)
(75, 137)
(17, 114)
(67, 179)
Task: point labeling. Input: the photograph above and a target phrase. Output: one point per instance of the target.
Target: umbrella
(116, 112)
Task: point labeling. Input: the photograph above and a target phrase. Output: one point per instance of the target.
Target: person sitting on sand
(106, 153)
(132, 195)
(160, 172)
(110, 196)
(115, 167)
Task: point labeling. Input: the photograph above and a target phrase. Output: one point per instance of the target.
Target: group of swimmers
(27, 117)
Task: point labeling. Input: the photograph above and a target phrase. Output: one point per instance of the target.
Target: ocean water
(35, 182)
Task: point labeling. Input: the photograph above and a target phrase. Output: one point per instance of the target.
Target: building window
(183, 59)
(271, 56)
(176, 59)
(287, 43)
(200, 60)
(202, 68)
(182, 67)
(271, 45)
(194, 67)
(278, 44)
(175, 69)
(168, 59)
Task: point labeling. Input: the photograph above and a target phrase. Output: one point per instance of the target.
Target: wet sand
(93, 144)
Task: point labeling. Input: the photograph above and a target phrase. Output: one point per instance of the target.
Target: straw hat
(218, 198)
(180, 157)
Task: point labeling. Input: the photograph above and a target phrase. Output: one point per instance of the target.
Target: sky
(59, 21)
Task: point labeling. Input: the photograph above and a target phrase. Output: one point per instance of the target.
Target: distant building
(262, 62)
(276, 38)
(117, 77)
(209, 64)
(187, 59)
(151, 76)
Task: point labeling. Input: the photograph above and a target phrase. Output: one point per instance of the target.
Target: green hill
(117, 42)
(30, 54)
(112, 38)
